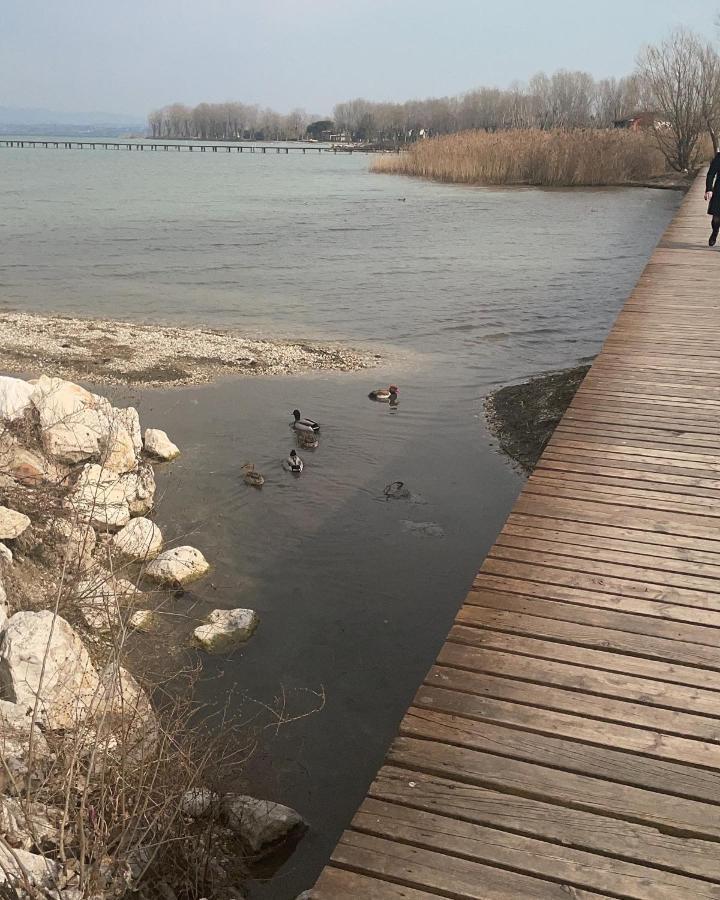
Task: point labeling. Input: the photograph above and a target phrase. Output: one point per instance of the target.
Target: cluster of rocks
(76, 488)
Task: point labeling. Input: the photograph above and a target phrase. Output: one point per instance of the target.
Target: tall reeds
(583, 157)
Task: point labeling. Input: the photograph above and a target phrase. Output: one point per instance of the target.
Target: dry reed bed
(533, 157)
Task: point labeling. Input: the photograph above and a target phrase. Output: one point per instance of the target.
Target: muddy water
(460, 289)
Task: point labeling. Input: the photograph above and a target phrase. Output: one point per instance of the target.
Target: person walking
(712, 193)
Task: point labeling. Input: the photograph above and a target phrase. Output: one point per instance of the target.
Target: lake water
(460, 289)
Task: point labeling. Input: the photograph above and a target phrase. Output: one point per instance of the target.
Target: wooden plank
(627, 587)
(681, 652)
(665, 559)
(652, 575)
(573, 689)
(551, 862)
(448, 876)
(658, 543)
(689, 818)
(342, 884)
(582, 610)
(523, 645)
(587, 596)
(569, 726)
(559, 824)
(571, 755)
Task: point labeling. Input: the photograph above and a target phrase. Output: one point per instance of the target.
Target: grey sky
(129, 56)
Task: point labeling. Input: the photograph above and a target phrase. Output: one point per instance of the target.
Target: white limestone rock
(122, 711)
(16, 865)
(131, 420)
(27, 466)
(12, 523)
(99, 499)
(139, 540)
(15, 729)
(14, 397)
(143, 620)
(198, 802)
(139, 487)
(27, 824)
(261, 824)
(179, 565)
(224, 628)
(159, 445)
(43, 660)
(102, 598)
(74, 543)
(117, 447)
(6, 556)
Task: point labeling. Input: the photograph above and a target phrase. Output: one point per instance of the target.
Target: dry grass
(588, 157)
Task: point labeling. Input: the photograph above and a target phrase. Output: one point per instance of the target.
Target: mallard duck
(396, 490)
(384, 394)
(251, 476)
(293, 463)
(307, 440)
(300, 424)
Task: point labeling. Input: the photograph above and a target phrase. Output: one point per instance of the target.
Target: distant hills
(16, 120)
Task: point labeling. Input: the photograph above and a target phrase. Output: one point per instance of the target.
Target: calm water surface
(460, 289)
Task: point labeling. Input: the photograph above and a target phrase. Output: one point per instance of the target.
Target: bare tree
(673, 72)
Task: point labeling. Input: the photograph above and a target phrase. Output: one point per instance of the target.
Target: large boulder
(139, 489)
(73, 543)
(16, 726)
(25, 465)
(139, 540)
(12, 523)
(224, 628)
(44, 661)
(159, 445)
(14, 397)
(179, 565)
(103, 599)
(261, 824)
(99, 498)
(123, 713)
(17, 866)
(117, 447)
(198, 802)
(27, 825)
(131, 420)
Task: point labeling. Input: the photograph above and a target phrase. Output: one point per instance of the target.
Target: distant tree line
(561, 100)
(227, 122)
(676, 84)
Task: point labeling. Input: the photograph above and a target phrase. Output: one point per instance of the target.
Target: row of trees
(227, 122)
(561, 100)
(677, 83)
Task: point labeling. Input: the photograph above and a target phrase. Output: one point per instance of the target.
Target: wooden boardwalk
(186, 147)
(566, 743)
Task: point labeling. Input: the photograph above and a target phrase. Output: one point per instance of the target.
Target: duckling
(251, 476)
(304, 424)
(385, 394)
(307, 440)
(293, 463)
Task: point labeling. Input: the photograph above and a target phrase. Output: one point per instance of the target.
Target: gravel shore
(129, 353)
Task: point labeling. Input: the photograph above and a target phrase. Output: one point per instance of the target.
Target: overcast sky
(128, 56)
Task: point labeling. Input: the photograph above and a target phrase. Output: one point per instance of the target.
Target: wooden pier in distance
(189, 147)
(566, 743)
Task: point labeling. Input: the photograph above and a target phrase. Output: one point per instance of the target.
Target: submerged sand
(113, 352)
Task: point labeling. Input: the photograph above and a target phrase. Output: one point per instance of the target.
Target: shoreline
(522, 417)
(108, 351)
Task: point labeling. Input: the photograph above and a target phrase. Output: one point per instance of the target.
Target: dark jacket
(712, 183)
